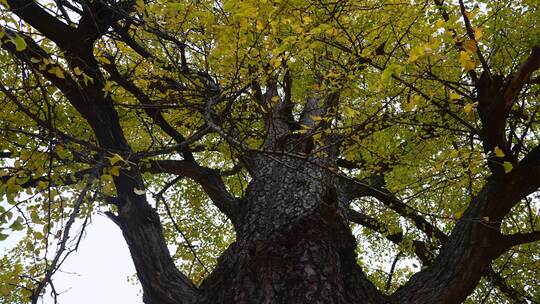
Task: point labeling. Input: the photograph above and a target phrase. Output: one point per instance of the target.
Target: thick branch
(154, 113)
(520, 77)
(209, 179)
(376, 190)
(421, 249)
(30, 11)
(512, 240)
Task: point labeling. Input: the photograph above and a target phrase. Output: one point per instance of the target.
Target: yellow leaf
(507, 167)
(35, 60)
(57, 72)
(458, 215)
(472, 13)
(105, 60)
(393, 69)
(469, 107)
(478, 34)
(260, 25)
(77, 71)
(416, 53)
(42, 185)
(498, 152)
(140, 4)
(440, 23)
(454, 96)
(466, 61)
(26, 293)
(115, 170)
(106, 177)
(349, 112)
(107, 88)
(87, 79)
(470, 45)
(115, 158)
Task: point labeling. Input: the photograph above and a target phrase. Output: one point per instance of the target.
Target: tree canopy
(161, 114)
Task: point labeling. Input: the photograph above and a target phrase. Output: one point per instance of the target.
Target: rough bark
(294, 245)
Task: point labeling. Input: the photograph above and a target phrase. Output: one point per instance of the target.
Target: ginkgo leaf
(470, 45)
(466, 61)
(19, 42)
(454, 96)
(498, 152)
(393, 69)
(138, 191)
(507, 167)
(478, 33)
(16, 225)
(115, 158)
(115, 171)
(469, 107)
(77, 71)
(57, 72)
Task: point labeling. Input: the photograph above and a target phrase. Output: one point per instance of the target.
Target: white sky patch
(98, 272)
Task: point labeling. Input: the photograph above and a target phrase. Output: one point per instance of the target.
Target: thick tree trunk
(294, 244)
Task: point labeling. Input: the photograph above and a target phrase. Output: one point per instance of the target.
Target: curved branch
(209, 179)
(421, 249)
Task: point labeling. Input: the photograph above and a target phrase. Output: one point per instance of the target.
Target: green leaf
(507, 167)
(20, 43)
(17, 225)
(393, 69)
(498, 152)
(115, 158)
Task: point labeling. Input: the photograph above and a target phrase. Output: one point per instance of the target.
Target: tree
(254, 138)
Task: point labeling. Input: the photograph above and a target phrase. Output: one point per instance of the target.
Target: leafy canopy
(404, 71)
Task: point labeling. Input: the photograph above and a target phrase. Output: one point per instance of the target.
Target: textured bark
(294, 246)
(161, 281)
(473, 244)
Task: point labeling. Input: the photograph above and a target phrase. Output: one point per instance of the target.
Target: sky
(98, 272)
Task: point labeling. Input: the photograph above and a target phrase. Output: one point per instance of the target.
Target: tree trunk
(294, 244)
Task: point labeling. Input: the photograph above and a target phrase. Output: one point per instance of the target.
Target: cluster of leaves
(407, 112)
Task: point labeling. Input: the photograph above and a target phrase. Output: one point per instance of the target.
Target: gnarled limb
(209, 179)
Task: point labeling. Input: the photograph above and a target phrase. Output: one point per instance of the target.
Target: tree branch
(30, 11)
(209, 179)
(520, 77)
(153, 113)
(512, 240)
(421, 249)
